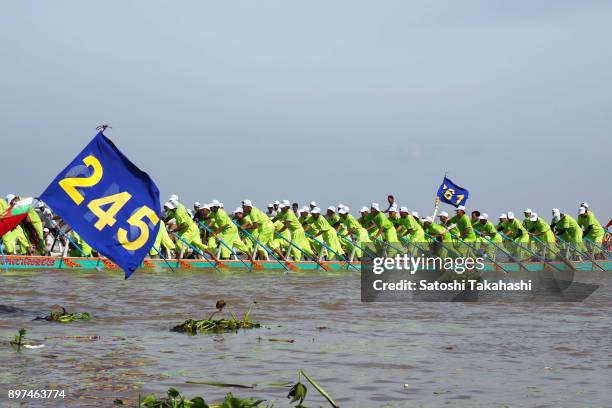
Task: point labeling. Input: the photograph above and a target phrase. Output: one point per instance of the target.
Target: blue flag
(452, 194)
(109, 202)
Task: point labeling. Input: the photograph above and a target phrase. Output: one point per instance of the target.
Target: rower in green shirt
(411, 230)
(385, 227)
(226, 231)
(464, 225)
(386, 230)
(491, 239)
(350, 227)
(501, 224)
(37, 224)
(312, 228)
(520, 237)
(262, 226)
(527, 220)
(365, 219)
(163, 242)
(544, 239)
(327, 232)
(186, 228)
(333, 218)
(452, 228)
(570, 232)
(592, 231)
(439, 235)
(298, 237)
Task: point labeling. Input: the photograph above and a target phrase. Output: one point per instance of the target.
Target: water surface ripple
(364, 355)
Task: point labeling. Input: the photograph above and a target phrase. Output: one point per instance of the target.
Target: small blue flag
(109, 202)
(452, 194)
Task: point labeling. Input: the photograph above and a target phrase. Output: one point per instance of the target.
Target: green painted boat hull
(15, 262)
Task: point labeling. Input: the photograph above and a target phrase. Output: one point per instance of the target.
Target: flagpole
(436, 207)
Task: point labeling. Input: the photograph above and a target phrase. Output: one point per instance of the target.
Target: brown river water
(362, 354)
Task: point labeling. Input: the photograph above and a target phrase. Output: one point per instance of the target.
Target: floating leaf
(297, 392)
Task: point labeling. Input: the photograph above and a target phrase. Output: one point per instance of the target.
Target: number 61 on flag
(452, 194)
(109, 202)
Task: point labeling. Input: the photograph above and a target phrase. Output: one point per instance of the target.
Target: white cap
(197, 204)
(404, 209)
(346, 208)
(238, 210)
(283, 205)
(47, 211)
(276, 202)
(247, 203)
(174, 202)
(443, 214)
(9, 198)
(527, 211)
(556, 212)
(375, 206)
(170, 205)
(270, 205)
(313, 203)
(585, 205)
(287, 203)
(461, 207)
(215, 203)
(206, 206)
(40, 204)
(173, 197)
(415, 213)
(364, 209)
(534, 217)
(393, 207)
(510, 215)
(304, 209)
(340, 206)
(331, 208)
(484, 216)
(45, 229)
(221, 205)
(343, 211)
(582, 210)
(503, 216)
(428, 219)
(315, 210)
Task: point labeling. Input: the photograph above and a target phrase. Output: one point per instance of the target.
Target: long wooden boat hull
(13, 262)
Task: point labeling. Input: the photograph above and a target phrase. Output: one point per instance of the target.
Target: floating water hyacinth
(174, 399)
(210, 325)
(19, 338)
(65, 317)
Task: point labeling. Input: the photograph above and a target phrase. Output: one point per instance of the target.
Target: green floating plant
(65, 317)
(210, 325)
(174, 399)
(19, 338)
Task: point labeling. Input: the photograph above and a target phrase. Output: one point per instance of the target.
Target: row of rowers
(291, 231)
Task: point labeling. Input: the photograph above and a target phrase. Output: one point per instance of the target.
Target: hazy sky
(336, 101)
